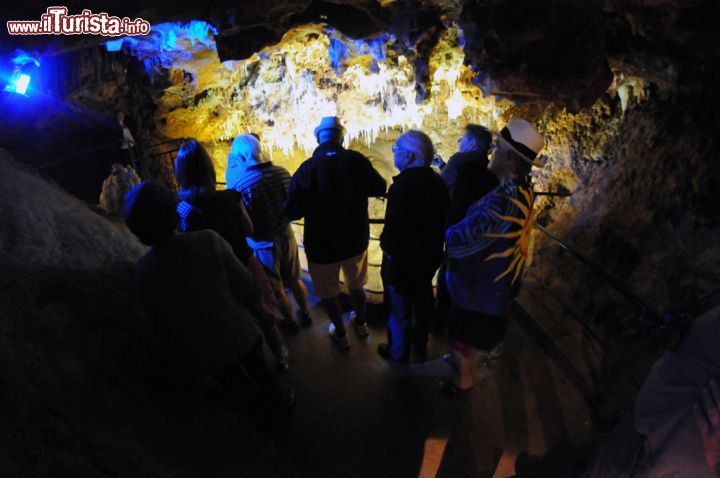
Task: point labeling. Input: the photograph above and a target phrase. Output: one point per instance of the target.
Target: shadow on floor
(358, 415)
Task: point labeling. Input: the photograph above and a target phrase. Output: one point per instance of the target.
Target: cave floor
(358, 415)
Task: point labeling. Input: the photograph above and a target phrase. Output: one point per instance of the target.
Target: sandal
(449, 388)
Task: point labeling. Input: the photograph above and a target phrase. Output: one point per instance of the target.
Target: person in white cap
(330, 190)
(264, 188)
(486, 253)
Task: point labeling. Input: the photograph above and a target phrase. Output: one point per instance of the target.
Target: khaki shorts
(326, 277)
(285, 270)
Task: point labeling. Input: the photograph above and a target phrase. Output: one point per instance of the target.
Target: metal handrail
(646, 311)
(101, 147)
(671, 327)
(163, 154)
(79, 153)
(553, 193)
(176, 140)
(644, 307)
(169, 151)
(148, 150)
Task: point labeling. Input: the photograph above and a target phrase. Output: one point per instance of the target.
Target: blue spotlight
(22, 83)
(19, 84)
(114, 45)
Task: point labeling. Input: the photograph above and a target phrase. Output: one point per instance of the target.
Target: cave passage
(610, 331)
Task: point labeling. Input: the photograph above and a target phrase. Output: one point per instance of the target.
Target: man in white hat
(330, 190)
(487, 251)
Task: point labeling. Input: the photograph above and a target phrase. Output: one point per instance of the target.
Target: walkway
(359, 416)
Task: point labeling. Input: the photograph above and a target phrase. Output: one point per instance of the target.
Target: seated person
(199, 295)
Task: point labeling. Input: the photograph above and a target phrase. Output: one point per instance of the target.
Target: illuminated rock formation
(625, 92)
(282, 91)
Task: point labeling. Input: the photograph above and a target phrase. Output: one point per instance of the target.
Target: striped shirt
(264, 191)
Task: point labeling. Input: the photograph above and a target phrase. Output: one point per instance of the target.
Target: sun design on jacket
(521, 249)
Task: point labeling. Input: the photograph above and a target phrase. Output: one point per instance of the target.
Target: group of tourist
(220, 262)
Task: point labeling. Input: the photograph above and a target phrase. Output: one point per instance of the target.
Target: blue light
(119, 43)
(114, 45)
(166, 44)
(170, 40)
(337, 50)
(16, 70)
(341, 47)
(22, 58)
(200, 31)
(19, 84)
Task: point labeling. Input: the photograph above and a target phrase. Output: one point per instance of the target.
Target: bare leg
(332, 307)
(359, 300)
(300, 294)
(284, 304)
(464, 380)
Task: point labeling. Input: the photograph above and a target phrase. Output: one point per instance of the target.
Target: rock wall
(643, 211)
(85, 386)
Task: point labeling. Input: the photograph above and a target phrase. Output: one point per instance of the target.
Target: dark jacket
(414, 232)
(220, 211)
(468, 179)
(199, 296)
(486, 251)
(330, 190)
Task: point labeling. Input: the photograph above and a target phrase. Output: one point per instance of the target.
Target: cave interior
(624, 258)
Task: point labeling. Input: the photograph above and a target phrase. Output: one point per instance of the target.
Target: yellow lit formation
(283, 91)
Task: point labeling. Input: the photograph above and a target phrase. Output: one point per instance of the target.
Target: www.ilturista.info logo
(56, 21)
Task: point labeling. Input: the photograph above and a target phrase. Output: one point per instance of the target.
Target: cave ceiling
(564, 51)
